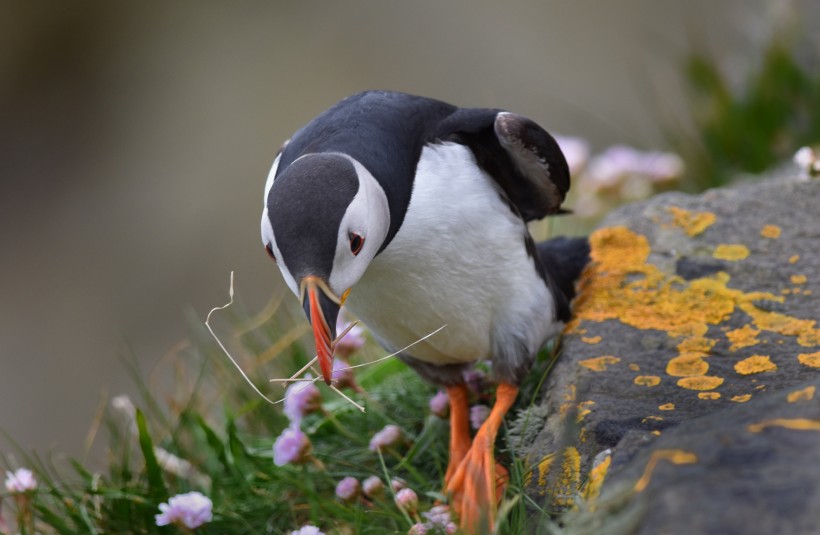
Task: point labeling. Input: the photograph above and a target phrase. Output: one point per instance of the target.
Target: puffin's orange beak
(322, 309)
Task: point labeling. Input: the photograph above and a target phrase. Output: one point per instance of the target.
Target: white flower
(189, 510)
(804, 158)
(307, 530)
(21, 480)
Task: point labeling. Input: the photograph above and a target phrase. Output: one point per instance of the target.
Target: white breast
(458, 259)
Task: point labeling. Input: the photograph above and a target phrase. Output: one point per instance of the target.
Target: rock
(691, 367)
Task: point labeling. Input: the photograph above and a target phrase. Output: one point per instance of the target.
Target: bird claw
(474, 487)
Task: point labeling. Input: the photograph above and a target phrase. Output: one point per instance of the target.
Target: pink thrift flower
(576, 152)
(389, 436)
(292, 446)
(21, 480)
(189, 510)
(301, 398)
(478, 413)
(439, 518)
(348, 489)
(418, 529)
(373, 486)
(407, 500)
(476, 380)
(397, 484)
(440, 404)
(307, 530)
(343, 375)
(350, 342)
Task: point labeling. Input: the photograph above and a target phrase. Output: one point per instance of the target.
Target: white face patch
(268, 237)
(368, 216)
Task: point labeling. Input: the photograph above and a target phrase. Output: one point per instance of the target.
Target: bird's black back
(563, 259)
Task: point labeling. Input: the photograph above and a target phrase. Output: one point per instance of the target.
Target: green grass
(197, 408)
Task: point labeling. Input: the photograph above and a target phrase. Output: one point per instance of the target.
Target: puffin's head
(325, 218)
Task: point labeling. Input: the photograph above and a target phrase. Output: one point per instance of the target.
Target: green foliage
(750, 131)
(209, 434)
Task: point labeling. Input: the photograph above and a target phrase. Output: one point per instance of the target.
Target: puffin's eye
(356, 243)
(269, 249)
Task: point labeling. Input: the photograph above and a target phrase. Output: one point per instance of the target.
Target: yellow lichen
(798, 279)
(620, 284)
(584, 408)
(804, 394)
(596, 478)
(634, 367)
(794, 258)
(647, 380)
(568, 481)
(599, 364)
(591, 339)
(687, 365)
(743, 398)
(770, 231)
(692, 223)
(700, 383)
(809, 359)
(797, 424)
(731, 252)
(755, 364)
(743, 337)
(672, 456)
(667, 407)
(708, 395)
(697, 344)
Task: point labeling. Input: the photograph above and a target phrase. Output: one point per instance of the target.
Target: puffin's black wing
(523, 158)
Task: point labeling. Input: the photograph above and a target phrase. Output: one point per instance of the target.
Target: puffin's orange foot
(473, 488)
(459, 430)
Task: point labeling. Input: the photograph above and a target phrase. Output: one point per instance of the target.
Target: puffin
(412, 213)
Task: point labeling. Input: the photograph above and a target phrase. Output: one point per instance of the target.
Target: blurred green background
(135, 139)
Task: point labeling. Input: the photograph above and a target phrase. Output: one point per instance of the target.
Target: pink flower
(307, 530)
(350, 342)
(397, 484)
(576, 152)
(343, 375)
(418, 529)
(478, 413)
(301, 398)
(348, 489)
(21, 480)
(189, 510)
(373, 486)
(292, 446)
(440, 404)
(390, 435)
(439, 518)
(476, 380)
(407, 500)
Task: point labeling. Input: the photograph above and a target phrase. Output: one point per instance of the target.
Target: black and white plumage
(413, 212)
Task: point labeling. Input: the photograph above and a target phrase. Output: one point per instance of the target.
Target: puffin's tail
(563, 259)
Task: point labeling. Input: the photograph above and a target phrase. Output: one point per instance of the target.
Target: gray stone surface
(697, 320)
